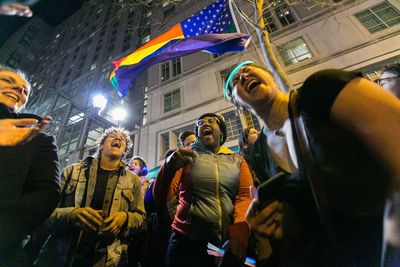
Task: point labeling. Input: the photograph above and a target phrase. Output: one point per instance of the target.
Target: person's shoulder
(320, 90)
(328, 78)
(130, 175)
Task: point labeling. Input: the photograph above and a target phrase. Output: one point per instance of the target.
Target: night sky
(51, 11)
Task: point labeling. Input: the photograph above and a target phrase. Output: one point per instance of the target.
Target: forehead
(135, 161)
(14, 76)
(116, 134)
(207, 118)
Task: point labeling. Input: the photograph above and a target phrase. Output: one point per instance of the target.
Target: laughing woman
(352, 127)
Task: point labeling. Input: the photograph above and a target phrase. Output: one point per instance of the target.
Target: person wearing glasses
(352, 127)
(390, 79)
(101, 204)
(213, 185)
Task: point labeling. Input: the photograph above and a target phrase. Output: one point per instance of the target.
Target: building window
(172, 100)
(379, 17)
(165, 71)
(278, 16)
(164, 142)
(169, 11)
(294, 51)
(176, 67)
(252, 121)
(168, 71)
(224, 74)
(233, 125)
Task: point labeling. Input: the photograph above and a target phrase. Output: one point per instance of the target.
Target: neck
(109, 164)
(275, 115)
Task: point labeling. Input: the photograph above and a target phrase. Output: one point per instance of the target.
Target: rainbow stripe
(211, 30)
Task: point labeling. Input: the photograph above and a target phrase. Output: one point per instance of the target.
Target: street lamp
(99, 102)
(119, 114)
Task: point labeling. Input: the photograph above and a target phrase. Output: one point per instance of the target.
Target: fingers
(268, 214)
(86, 224)
(88, 218)
(95, 216)
(22, 122)
(15, 9)
(264, 222)
(115, 223)
(181, 157)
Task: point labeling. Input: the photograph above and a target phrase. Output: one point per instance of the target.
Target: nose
(243, 77)
(18, 88)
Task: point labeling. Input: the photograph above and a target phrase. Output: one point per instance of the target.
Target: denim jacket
(127, 197)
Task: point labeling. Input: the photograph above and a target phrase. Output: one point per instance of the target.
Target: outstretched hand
(180, 158)
(17, 131)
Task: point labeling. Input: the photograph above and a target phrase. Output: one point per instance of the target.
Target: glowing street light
(99, 102)
(119, 114)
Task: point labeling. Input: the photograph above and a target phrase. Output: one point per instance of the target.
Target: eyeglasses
(201, 122)
(379, 81)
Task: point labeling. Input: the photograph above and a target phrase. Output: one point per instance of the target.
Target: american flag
(215, 18)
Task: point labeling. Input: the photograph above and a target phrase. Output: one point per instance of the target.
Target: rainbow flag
(211, 30)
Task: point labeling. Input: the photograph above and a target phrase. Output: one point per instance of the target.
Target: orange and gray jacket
(214, 194)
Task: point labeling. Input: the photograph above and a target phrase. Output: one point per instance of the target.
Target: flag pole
(233, 16)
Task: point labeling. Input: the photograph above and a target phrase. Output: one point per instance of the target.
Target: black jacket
(29, 188)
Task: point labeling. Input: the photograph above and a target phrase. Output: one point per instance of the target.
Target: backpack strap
(308, 166)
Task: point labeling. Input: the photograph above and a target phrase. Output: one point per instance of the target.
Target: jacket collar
(89, 160)
(197, 145)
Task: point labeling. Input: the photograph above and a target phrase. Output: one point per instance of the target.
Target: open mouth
(251, 85)
(207, 131)
(116, 144)
(13, 96)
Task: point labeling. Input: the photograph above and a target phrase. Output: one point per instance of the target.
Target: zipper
(218, 199)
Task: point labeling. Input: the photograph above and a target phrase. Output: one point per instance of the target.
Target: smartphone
(30, 116)
(271, 190)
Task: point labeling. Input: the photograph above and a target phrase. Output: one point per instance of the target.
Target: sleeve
(136, 211)
(162, 189)
(319, 91)
(240, 230)
(59, 219)
(40, 195)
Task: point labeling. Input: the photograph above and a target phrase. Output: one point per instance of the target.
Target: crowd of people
(326, 166)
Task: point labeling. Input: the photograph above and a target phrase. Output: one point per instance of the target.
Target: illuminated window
(294, 51)
(279, 15)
